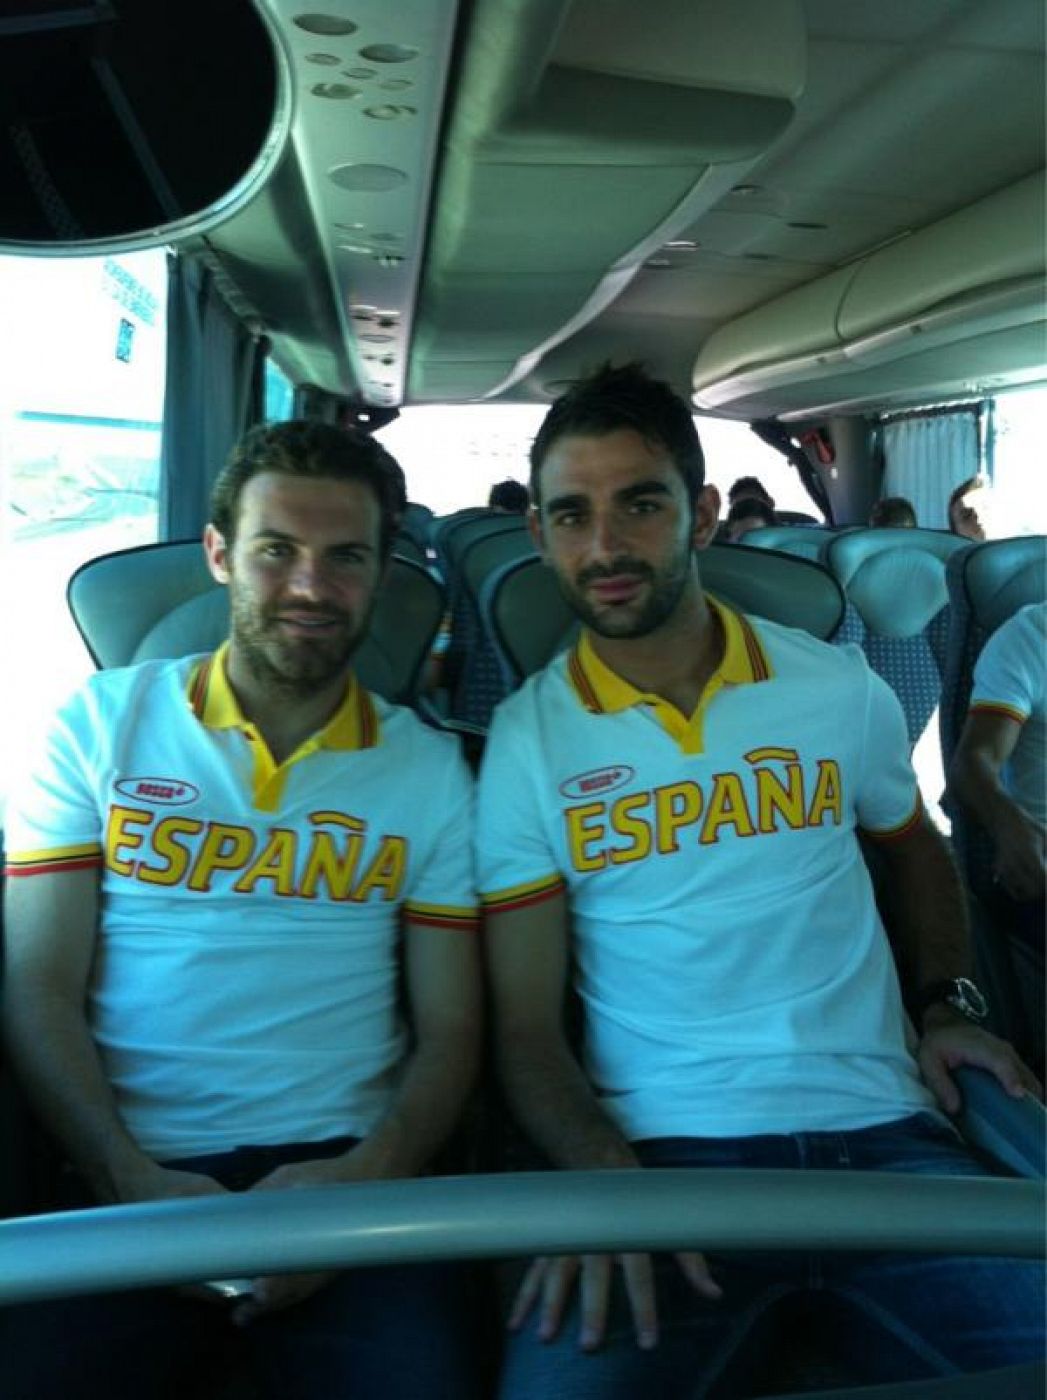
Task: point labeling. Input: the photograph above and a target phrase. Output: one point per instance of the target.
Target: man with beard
(686, 789)
(220, 897)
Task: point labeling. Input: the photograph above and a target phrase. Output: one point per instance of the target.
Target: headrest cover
(898, 591)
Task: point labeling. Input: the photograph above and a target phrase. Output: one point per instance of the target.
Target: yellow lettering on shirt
(675, 806)
(827, 794)
(120, 834)
(775, 798)
(585, 825)
(274, 862)
(329, 862)
(224, 848)
(170, 850)
(635, 828)
(386, 871)
(727, 807)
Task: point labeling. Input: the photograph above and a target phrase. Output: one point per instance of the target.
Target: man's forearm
(436, 1082)
(930, 926)
(59, 1067)
(975, 781)
(554, 1104)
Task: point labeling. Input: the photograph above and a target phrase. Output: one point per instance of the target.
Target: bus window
(279, 393)
(452, 455)
(81, 403)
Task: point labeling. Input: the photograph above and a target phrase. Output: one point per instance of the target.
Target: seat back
(452, 533)
(529, 621)
(417, 523)
(160, 600)
(894, 580)
(408, 547)
(471, 670)
(805, 541)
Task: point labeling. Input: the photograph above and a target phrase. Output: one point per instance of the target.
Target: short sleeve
(1009, 673)
(53, 820)
(515, 862)
(887, 799)
(443, 894)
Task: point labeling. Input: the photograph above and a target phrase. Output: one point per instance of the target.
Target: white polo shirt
(245, 988)
(735, 975)
(1010, 677)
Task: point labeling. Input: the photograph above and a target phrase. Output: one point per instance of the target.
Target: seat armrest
(1013, 1132)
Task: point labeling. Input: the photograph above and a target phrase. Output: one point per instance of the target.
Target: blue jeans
(882, 1317)
(399, 1333)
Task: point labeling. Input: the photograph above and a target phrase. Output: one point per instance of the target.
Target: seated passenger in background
(222, 887)
(747, 514)
(669, 813)
(509, 496)
(999, 770)
(963, 518)
(748, 486)
(894, 512)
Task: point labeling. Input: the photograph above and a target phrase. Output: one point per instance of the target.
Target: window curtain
(213, 392)
(927, 458)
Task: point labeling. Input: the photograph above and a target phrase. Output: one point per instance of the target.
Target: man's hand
(272, 1292)
(949, 1042)
(151, 1182)
(548, 1283)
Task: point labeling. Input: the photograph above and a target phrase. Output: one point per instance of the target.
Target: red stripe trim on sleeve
(991, 707)
(51, 867)
(470, 925)
(522, 898)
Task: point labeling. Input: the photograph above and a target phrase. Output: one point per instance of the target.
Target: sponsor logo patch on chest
(597, 780)
(165, 792)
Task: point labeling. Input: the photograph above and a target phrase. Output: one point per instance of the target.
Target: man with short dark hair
(219, 896)
(750, 486)
(670, 812)
(509, 496)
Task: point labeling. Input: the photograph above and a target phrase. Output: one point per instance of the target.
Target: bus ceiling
(788, 208)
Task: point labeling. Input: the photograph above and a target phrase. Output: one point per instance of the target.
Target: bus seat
(471, 674)
(416, 524)
(895, 581)
(407, 547)
(160, 600)
(444, 528)
(479, 679)
(529, 622)
(987, 584)
(805, 541)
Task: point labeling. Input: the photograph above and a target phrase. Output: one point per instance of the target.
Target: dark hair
(509, 495)
(307, 448)
(745, 507)
(750, 486)
(623, 396)
(892, 511)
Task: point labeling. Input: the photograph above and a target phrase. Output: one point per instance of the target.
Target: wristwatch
(958, 992)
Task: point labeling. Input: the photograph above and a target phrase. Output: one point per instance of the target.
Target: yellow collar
(603, 691)
(354, 725)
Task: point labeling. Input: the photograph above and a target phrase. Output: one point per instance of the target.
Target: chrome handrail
(477, 1217)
